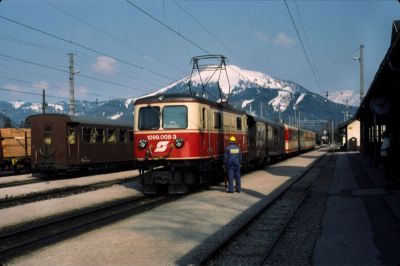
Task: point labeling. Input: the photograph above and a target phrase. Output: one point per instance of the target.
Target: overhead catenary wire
(65, 71)
(84, 47)
(333, 62)
(210, 33)
(307, 42)
(62, 52)
(168, 27)
(110, 35)
(33, 93)
(302, 46)
(47, 76)
(48, 87)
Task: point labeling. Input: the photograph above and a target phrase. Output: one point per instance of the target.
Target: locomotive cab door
(205, 130)
(73, 143)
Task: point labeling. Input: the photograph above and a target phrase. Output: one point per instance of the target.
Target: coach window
(93, 135)
(71, 135)
(217, 120)
(175, 116)
(48, 134)
(111, 135)
(238, 123)
(130, 135)
(86, 134)
(122, 136)
(101, 137)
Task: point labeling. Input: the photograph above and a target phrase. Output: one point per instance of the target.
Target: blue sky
(129, 54)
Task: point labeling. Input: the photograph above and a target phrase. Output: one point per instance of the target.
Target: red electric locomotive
(180, 139)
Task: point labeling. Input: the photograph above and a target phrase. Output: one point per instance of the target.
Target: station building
(379, 109)
(349, 133)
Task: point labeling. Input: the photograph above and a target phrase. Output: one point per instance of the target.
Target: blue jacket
(232, 156)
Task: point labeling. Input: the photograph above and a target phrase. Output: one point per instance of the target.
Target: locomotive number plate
(161, 137)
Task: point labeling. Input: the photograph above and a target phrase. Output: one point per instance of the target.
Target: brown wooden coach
(68, 143)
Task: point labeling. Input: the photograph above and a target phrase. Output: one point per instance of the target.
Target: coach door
(73, 143)
(206, 134)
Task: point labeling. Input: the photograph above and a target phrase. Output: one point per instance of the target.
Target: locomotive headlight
(142, 144)
(179, 143)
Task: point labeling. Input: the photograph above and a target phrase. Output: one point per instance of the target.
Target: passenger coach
(69, 143)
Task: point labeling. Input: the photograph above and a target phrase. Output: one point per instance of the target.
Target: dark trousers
(234, 173)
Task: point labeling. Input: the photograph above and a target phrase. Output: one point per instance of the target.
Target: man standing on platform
(232, 161)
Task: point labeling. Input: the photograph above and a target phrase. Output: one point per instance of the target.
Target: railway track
(32, 236)
(59, 192)
(21, 182)
(254, 241)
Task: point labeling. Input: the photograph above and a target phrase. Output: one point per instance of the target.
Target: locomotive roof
(182, 97)
(88, 120)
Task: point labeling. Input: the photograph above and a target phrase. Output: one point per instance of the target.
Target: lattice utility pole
(71, 85)
(44, 105)
(360, 59)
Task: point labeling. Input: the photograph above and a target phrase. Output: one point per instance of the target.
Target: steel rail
(33, 236)
(251, 219)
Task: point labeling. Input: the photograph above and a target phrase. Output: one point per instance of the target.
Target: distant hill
(252, 91)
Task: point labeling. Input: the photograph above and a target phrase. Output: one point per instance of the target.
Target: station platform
(360, 225)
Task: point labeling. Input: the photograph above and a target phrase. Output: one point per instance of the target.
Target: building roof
(386, 78)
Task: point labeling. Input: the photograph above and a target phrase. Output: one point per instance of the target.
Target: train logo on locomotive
(161, 146)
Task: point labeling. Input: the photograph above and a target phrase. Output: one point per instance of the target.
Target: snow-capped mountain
(115, 109)
(261, 94)
(252, 91)
(348, 97)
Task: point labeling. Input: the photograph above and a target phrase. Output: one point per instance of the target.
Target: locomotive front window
(175, 117)
(149, 118)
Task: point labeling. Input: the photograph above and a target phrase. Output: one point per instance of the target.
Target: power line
(109, 35)
(53, 88)
(84, 47)
(65, 71)
(168, 27)
(215, 37)
(328, 64)
(47, 49)
(126, 73)
(47, 76)
(307, 42)
(32, 73)
(32, 93)
(302, 46)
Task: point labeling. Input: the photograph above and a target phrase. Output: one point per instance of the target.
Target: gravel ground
(250, 246)
(296, 244)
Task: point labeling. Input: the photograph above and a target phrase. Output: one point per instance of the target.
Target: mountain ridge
(252, 91)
